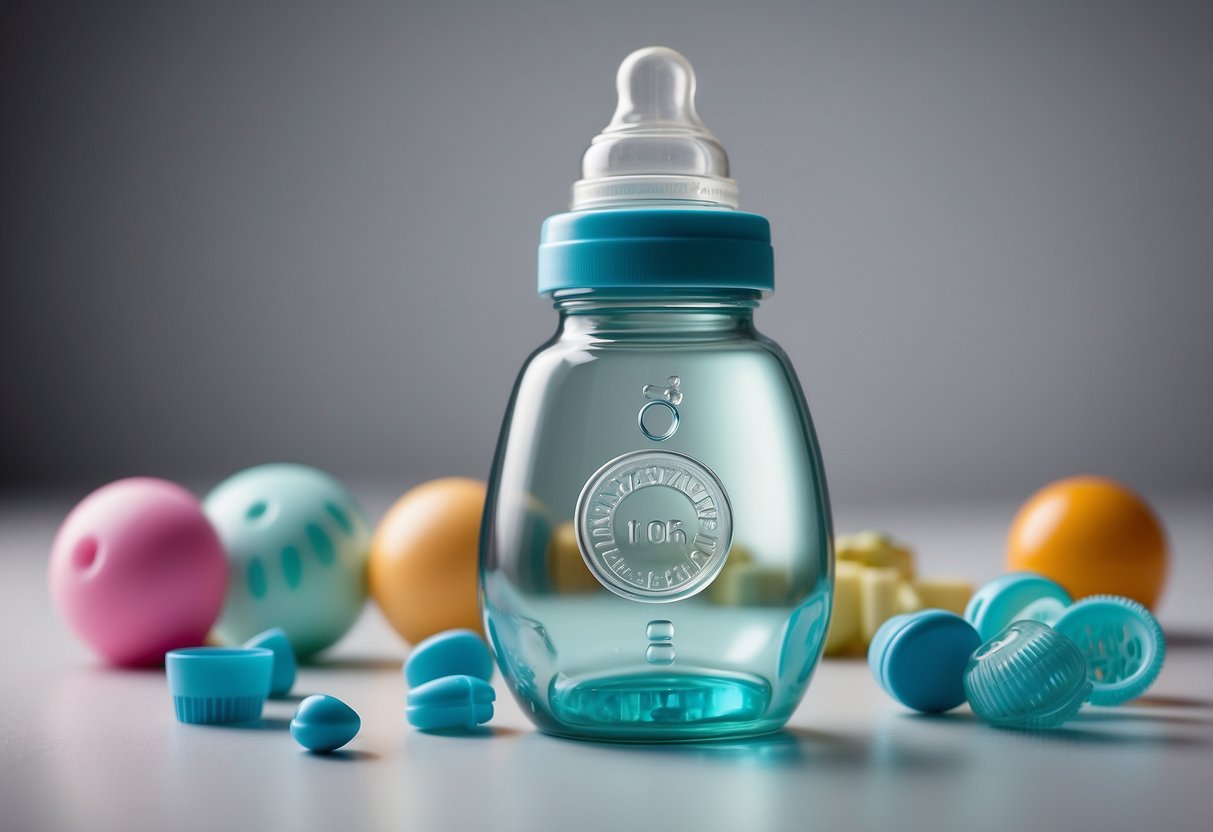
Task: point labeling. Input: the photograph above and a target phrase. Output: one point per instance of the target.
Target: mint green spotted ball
(297, 546)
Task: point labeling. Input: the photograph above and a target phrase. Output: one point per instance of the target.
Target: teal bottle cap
(211, 685)
(668, 248)
(1012, 597)
(1027, 676)
(1123, 644)
(919, 659)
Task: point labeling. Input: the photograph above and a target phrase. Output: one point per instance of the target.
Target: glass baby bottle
(656, 559)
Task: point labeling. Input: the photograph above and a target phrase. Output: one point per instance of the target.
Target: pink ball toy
(136, 570)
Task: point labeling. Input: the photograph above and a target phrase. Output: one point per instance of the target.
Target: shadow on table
(791, 747)
(1166, 701)
(379, 664)
(1188, 639)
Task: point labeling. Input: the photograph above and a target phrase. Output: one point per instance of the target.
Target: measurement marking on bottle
(660, 634)
(659, 417)
(654, 525)
(656, 532)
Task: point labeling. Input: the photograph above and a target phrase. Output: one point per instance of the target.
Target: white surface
(83, 747)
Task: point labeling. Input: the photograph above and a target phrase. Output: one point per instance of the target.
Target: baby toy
(297, 546)
(422, 569)
(137, 570)
(324, 723)
(212, 685)
(1094, 537)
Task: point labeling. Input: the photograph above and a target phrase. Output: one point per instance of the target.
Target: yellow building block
(950, 594)
(844, 619)
(872, 548)
(877, 598)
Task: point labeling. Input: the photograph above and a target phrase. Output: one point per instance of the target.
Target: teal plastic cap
(1123, 644)
(1014, 597)
(687, 249)
(1028, 676)
(919, 659)
(212, 685)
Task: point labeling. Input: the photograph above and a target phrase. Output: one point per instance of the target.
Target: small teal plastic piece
(451, 702)
(285, 666)
(1028, 676)
(656, 248)
(1123, 644)
(212, 685)
(324, 723)
(450, 653)
(1013, 597)
(919, 659)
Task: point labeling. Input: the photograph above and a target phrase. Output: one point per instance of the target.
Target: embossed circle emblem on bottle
(654, 525)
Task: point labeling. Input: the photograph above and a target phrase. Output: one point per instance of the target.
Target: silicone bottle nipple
(655, 150)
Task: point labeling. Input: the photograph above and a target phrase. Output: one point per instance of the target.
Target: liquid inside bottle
(656, 549)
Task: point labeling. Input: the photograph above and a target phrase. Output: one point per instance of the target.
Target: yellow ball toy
(422, 568)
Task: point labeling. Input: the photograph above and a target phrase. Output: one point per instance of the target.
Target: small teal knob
(285, 666)
(324, 723)
(1123, 644)
(919, 659)
(1027, 676)
(449, 653)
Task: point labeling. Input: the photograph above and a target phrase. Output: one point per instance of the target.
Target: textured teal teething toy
(297, 547)
(1123, 644)
(1027, 676)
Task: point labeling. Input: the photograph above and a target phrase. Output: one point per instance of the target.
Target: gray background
(239, 232)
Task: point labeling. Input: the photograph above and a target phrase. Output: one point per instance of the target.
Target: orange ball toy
(423, 562)
(1094, 537)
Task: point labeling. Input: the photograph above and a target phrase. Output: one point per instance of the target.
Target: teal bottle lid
(212, 685)
(656, 248)
(1123, 644)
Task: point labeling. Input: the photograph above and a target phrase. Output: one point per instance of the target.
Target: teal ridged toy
(1123, 644)
(276, 641)
(1028, 676)
(297, 546)
(214, 685)
(324, 723)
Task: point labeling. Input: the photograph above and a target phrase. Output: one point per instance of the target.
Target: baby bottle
(656, 556)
